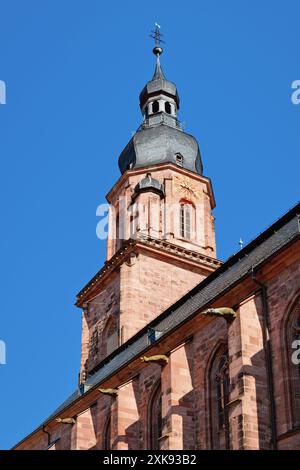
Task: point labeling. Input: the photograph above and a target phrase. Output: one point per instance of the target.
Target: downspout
(48, 435)
(268, 355)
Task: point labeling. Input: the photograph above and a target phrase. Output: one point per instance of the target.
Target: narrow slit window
(219, 399)
(155, 415)
(185, 220)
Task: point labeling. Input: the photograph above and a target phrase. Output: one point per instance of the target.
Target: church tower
(161, 239)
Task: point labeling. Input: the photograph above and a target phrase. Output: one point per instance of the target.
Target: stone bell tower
(161, 239)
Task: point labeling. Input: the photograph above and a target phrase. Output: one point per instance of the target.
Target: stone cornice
(108, 267)
(177, 250)
(162, 247)
(159, 167)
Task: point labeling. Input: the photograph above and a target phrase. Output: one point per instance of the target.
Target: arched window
(107, 435)
(155, 418)
(185, 221)
(219, 397)
(292, 340)
(155, 107)
(168, 108)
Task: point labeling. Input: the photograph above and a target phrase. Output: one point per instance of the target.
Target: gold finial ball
(157, 50)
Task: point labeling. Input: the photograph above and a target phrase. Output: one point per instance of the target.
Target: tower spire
(158, 73)
(159, 100)
(157, 51)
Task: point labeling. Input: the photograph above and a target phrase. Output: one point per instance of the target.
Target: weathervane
(241, 243)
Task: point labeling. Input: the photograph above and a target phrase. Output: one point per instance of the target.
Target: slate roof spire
(158, 73)
(160, 138)
(157, 50)
(159, 85)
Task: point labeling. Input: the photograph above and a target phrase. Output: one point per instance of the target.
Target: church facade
(180, 350)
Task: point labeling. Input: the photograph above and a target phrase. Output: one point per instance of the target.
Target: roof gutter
(48, 435)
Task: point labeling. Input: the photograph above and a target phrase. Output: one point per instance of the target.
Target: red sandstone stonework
(186, 408)
(212, 388)
(186, 401)
(201, 379)
(158, 271)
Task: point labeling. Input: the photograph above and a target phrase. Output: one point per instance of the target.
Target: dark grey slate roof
(160, 137)
(160, 144)
(158, 84)
(275, 238)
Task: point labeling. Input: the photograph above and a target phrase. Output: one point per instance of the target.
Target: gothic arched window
(155, 418)
(185, 222)
(292, 339)
(219, 397)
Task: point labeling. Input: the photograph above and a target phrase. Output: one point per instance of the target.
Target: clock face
(185, 186)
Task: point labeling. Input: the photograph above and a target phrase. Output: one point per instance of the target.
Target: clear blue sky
(73, 71)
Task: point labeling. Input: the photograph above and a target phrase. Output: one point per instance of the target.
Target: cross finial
(156, 35)
(241, 243)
